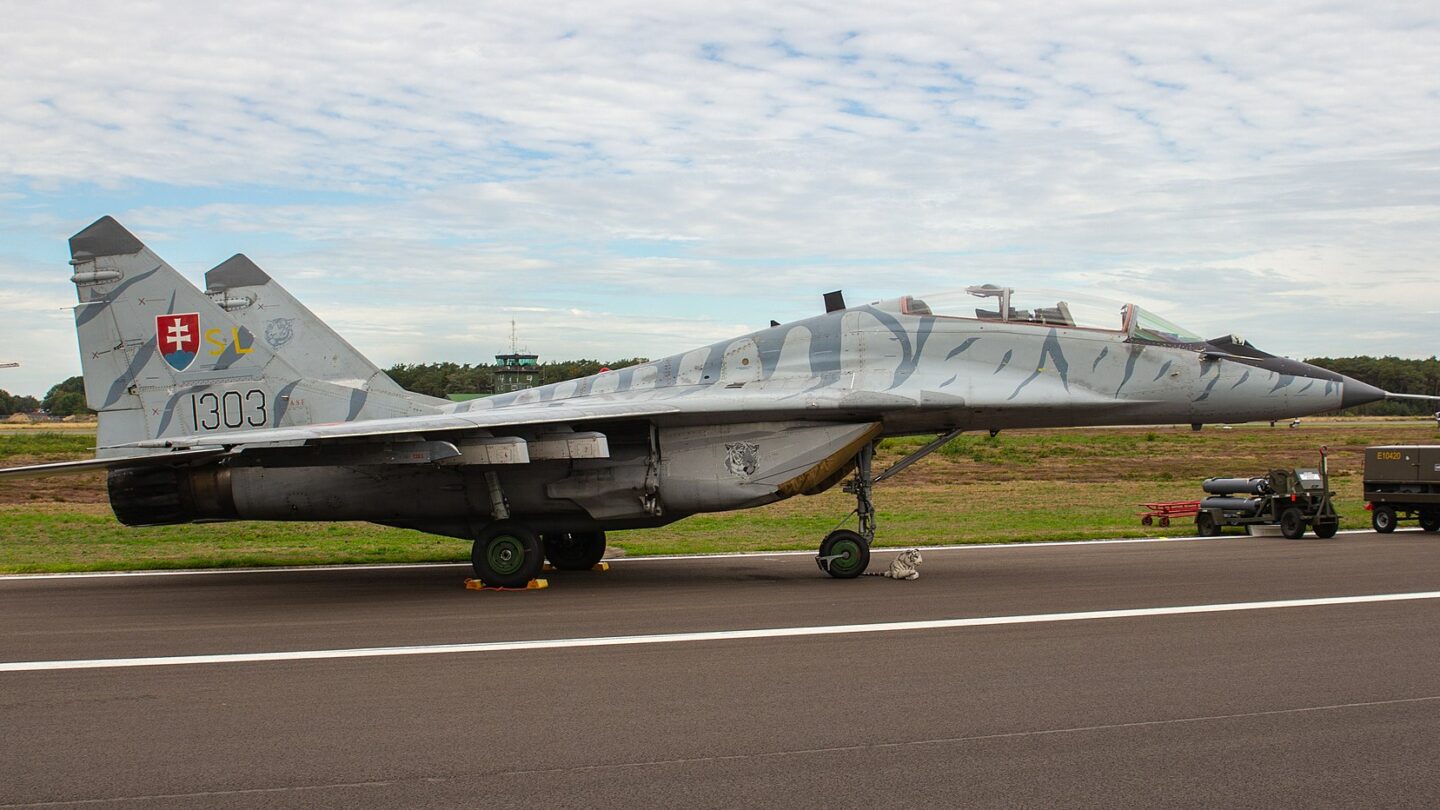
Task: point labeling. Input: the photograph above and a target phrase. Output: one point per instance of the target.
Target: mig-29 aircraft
(239, 404)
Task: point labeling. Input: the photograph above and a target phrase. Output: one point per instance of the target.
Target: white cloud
(617, 158)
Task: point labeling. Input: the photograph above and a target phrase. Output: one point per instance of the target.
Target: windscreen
(1151, 327)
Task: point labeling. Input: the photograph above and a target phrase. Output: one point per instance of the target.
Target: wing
(400, 426)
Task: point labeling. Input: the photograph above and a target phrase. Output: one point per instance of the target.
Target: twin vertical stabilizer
(161, 359)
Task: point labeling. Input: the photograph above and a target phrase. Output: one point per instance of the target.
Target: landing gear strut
(844, 554)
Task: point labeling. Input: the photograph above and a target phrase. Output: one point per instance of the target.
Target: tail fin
(267, 310)
(160, 359)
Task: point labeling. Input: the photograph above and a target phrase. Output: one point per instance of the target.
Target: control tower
(517, 369)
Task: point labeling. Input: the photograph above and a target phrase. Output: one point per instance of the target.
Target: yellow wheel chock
(532, 585)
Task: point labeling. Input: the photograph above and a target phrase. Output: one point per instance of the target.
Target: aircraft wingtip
(236, 271)
(104, 237)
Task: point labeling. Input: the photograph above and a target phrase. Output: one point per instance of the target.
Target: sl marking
(212, 337)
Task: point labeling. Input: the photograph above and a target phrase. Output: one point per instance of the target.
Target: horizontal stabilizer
(86, 465)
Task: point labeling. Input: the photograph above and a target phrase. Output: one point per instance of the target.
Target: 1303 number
(230, 409)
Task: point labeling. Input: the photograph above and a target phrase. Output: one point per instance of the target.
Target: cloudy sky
(629, 179)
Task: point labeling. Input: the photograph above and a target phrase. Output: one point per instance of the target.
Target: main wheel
(574, 551)
(844, 554)
(1430, 520)
(1292, 523)
(1383, 519)
(1326, 529)
(507, 554)
(1205, 525)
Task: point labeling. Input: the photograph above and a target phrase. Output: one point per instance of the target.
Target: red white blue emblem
(178, 337)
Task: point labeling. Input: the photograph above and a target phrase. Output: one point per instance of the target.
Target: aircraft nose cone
(1354, 392)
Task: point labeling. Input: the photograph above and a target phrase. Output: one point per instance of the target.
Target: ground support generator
(1403, 483)
(1293, 499)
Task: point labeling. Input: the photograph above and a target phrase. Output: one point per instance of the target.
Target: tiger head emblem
(742, 459)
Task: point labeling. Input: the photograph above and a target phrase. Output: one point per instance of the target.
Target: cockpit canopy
(988, 302)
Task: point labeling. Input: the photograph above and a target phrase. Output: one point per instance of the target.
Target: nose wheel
(844, 554)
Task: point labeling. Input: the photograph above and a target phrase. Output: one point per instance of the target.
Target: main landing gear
(845, 554)
(509, 553)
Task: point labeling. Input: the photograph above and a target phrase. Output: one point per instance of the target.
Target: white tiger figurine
(903, 567)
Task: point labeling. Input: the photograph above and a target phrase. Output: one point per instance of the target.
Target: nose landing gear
(845, 554)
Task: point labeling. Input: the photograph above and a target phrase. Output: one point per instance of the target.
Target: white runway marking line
(711, 635)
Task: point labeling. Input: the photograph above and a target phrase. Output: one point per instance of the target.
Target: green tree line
(444, 379)
(1393, 374)
(63, 399)
(12, 403)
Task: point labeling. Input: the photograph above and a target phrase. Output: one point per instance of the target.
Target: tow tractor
(1293, 499)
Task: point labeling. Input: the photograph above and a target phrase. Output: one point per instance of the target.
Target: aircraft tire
(851, 553)
(1292, 523)
(507, 554)
(1383, 519)
(574, 551)
(1205, 525)
(1326, 529)
(1430, 520)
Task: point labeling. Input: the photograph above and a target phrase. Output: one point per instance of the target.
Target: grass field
(1020, 486)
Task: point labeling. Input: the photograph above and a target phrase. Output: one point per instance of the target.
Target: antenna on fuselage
(834, 301)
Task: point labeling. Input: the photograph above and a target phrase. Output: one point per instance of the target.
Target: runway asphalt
(1253, 701)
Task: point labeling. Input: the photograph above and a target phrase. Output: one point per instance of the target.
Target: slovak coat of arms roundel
(178, 337)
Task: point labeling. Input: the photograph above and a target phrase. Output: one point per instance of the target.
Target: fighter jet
(242, 405)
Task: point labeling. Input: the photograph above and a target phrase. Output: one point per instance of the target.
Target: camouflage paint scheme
(279, 418)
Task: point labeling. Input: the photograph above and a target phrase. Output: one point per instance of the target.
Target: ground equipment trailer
(1294, 499)
(1403, 483)
(1164, 512)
